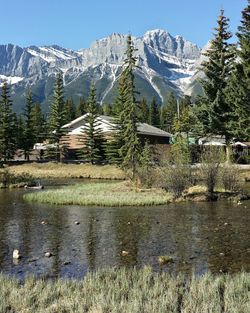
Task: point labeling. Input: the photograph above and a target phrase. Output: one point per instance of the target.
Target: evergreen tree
(28, 134)
(69, 111)
(145, 173)
(215, 112)
(184, 103)
(7, 126)
(38, 122)
(81, 108)
(20, 132)
(93, 149)
(130, 148)
(154, 113)
(238, 89)
(143, 111)
(184, 123)
(168, 112)
(107, 109)
(56, 119)
(115, 143)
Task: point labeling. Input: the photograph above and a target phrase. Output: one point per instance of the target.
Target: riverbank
(124, 290)
(111, 194)
(117, 194)
(61, 170)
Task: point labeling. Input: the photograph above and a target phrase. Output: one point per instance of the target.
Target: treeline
(223, 109)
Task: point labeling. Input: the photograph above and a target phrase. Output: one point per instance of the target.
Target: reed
(128, 290)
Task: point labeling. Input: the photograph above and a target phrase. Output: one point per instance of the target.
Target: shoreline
(118, 194)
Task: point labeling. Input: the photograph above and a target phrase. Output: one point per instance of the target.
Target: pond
(199, 236)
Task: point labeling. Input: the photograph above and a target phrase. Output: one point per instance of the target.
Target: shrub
(211, 158)
(176, 170)
(7, 178)
(230, 177)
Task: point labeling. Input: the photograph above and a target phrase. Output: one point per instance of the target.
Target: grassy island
(124, 291)
(101, 194)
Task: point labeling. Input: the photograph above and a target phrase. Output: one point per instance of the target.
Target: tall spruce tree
(7, 126)
(20, 132)
(154, 113)
(143, 111)
(114, 144)
(168, 112)
(238, 89)
(56, 119)
(93, 149)
(130, 149)
(38, 122)
(28, 133)
(69, 110)
(81, 108)
(215, 111)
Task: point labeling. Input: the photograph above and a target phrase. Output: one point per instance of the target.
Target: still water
(199, 236)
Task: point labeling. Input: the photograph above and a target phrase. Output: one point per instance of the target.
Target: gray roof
(143, 128)
(146, 129)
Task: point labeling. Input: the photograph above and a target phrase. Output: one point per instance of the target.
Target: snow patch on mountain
(11, 80)
(150, 74)
(113, 79)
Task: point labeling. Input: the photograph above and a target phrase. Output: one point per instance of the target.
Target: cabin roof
(142, 128)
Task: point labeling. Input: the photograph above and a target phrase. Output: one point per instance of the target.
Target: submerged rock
(165, 259)
(16, 254)
(124, 253)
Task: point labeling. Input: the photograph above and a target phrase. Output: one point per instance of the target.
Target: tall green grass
(100, 194)
(128, 291)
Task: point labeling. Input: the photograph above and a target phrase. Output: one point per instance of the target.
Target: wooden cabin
(74, 132)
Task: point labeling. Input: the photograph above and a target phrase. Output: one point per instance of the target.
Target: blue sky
(76, 23)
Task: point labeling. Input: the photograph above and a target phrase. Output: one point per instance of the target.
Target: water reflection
(199, 236)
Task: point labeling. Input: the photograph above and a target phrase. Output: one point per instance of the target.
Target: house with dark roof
(74, 131)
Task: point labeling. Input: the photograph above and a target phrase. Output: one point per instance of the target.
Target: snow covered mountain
(164, 63)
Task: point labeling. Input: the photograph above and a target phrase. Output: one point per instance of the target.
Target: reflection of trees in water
(54, 237)
(131, 229)
(16, 227)
(189, 239)
(91, 240)
(7, 217)
(228, 238)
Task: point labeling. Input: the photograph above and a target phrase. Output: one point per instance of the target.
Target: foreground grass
(60, 170)
(101, 194)
(128, 291)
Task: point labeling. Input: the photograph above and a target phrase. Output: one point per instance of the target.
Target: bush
(211, 158)
(7, 178)
(176, 169)
(230, 177)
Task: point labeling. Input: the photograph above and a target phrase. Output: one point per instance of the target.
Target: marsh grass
(128, 290)
(100, 194)
(10, 180)
(60, 170)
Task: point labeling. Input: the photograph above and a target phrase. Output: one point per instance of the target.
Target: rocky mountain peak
(166, 63)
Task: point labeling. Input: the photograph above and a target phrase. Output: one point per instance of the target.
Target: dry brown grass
(60, 170)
